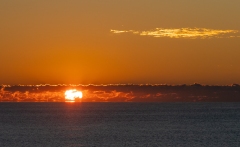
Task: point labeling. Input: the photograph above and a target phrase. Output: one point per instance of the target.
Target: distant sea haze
(122, 93)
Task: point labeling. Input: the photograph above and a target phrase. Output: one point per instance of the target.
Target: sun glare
(72, 95)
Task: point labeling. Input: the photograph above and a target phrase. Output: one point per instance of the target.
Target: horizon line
(127, 84)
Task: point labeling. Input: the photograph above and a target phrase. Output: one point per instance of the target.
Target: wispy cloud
(191, 33)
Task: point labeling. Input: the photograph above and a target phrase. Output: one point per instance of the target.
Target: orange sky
(122, 41)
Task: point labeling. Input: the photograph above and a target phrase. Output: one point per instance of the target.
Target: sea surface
(120, 124)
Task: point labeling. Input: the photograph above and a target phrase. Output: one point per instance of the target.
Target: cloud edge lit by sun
(191, 33)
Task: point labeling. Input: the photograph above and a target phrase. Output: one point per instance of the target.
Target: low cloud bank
(122, 93)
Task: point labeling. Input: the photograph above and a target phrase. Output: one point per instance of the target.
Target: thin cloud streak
(191, 33)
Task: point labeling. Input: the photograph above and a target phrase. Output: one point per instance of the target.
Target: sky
(119, 41)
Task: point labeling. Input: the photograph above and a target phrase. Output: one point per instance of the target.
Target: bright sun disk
(71, 95)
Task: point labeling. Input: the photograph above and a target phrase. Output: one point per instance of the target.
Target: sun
(71, 95)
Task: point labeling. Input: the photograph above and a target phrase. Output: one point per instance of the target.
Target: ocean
(120, 124)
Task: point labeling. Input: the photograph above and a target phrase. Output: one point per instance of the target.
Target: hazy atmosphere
(127, 41)
(120, 73)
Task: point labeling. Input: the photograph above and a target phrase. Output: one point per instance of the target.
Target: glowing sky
(119, 41)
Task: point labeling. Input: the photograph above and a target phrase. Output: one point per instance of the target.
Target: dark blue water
(120, 124)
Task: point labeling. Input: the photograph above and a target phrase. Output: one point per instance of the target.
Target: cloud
(123, 93)
(191, 33)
